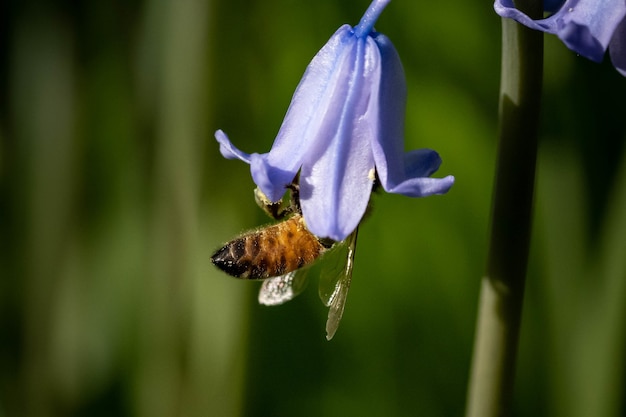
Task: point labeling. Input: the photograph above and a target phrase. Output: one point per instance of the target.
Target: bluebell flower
(344, 127)
(588, 27)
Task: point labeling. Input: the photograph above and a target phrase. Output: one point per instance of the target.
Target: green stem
(502, 291)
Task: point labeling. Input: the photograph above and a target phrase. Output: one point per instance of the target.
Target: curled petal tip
(423, 187)
(228, 150)
(445, 184)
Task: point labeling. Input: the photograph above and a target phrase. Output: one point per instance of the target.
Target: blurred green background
(113, 196)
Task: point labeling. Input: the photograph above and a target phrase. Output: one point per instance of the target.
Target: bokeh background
(113, 196)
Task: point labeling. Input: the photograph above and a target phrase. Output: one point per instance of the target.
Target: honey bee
(281, 254)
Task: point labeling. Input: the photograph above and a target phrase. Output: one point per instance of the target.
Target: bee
(281, 255)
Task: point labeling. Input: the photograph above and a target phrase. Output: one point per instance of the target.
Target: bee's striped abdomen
(269, 252)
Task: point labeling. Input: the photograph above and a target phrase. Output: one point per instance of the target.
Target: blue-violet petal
(337, 176)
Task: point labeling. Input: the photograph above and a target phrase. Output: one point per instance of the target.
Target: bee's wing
(335, 282)
(333, 269)
(279, 290)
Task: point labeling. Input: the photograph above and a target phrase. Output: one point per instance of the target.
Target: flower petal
(617, 48)
(398, 172)
(506, 8)
(588, 26)
(308, 118)
(388, 142)
(421, 163)
(584, 26)
(228, 150)
(272, 181)
(423, 186)
(336, 179)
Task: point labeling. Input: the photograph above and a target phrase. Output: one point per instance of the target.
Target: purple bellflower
(588, 27)
(344, 126)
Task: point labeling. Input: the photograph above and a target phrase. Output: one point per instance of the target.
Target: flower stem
(366, 25)
(502, 291)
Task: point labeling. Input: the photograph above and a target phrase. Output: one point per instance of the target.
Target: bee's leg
(277, 210)
(295, 197)
(274, 210)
